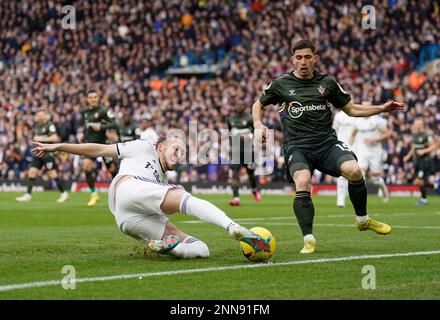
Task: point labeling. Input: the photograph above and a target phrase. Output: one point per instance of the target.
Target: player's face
(241, 108)
(93, 99)
(304, 62)
(172, 151)
(418, 126)
(40, 117)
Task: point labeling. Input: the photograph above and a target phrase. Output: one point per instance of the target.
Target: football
(251, 254)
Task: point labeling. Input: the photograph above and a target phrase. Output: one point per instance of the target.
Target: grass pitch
(39, 238)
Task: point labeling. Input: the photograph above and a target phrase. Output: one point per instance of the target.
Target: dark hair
(161, 139)
(303, 44)
(89, 91)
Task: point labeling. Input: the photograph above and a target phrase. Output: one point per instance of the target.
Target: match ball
(255, 256)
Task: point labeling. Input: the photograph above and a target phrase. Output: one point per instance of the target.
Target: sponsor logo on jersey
(296, 109)
(292, 92)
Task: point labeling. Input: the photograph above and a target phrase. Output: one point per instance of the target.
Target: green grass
(40, 237)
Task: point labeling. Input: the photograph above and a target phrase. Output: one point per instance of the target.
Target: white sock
(362, 219)
(205, 211)
(308, 237)
(341, 190)
(191, 247)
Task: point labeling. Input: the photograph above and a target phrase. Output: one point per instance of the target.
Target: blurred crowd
(124, 49)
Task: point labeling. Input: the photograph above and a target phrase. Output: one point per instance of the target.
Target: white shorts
(372, 161)
(136, 207)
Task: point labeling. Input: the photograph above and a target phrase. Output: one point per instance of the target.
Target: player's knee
(351, 171)
(302, 180)
(32, 173)
(172, 200)
(53, 174)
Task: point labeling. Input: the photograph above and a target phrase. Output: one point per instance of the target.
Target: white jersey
(140, 158)
(343, 125)
(149, 135)
(368, 127)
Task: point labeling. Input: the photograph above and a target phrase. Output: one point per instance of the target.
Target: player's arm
(91, 150)
(269, 96)
(52, 137)
(352, 137)
(430, 148)
(361, 110)
(408, 155)
(384, 134)
(257, 116)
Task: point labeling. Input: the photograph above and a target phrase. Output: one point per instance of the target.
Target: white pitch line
(41, 284)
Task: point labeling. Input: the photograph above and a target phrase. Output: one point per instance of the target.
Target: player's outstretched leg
(179, 200)
(357, 191)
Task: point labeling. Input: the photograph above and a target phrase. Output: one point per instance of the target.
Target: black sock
(60, 184)
(90, 180)
(235, 192)
(252, 180)
(357, 190)
(423, 191)
(31, 183)
(304, 211)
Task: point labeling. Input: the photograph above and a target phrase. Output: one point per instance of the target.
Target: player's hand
(261, 132)
(96, 127)
(405, 159)
(369, 141)
(391, 106)
(41, 149)
(421, 152)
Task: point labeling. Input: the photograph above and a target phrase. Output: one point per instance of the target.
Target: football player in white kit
(140, 199)
(367, 137)
(343, 125)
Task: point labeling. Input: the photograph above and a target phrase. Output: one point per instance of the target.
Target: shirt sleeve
(337, 96)
(270, 95)
(131, 148)
(52, 129)
(382, 123)
(110, 121)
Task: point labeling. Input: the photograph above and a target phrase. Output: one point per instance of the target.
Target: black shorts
(326, 158)
(47, 160)
(423, 168)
